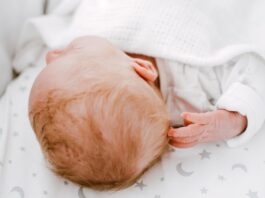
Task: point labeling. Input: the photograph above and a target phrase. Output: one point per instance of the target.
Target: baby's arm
(243, 97)
(207, 127)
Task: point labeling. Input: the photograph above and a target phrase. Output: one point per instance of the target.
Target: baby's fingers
(187, 131)
(183, 144)
(199, 118)
(189, 140)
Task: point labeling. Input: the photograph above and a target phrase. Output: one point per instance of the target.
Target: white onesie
(238, 86)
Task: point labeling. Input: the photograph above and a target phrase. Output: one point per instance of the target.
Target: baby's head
(98, 117)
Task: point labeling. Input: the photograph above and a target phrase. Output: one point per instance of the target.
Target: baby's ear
(145, 69)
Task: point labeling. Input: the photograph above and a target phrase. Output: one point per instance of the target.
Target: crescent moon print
(240, 166)
(81, 193)
(182, 172)
(19, 190)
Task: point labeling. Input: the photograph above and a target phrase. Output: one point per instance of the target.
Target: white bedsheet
(210, 170)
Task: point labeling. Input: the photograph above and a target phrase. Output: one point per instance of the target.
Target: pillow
(16, 12)
(13, 14)
(5, 69)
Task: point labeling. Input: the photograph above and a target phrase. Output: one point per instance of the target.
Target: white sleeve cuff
(246, 101)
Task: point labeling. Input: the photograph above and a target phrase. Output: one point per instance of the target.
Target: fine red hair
(104, 134)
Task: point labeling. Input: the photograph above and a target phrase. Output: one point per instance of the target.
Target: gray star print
(221, 178)
(140, 185)
(204, 190)
(205, 154)
(252, 194)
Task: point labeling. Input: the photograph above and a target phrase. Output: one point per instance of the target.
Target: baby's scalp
(101, 125)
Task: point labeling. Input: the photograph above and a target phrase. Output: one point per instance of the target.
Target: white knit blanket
(202, 33)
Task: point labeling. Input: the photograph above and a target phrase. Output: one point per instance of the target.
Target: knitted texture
(201, 33)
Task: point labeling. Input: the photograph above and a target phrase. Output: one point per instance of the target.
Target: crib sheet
(209, 170)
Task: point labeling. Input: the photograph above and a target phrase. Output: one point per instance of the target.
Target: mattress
(207, 170)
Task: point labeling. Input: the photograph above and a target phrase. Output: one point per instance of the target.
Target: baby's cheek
(50, 57)
(53, 54)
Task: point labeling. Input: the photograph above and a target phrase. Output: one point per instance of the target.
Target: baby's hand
(207, 127)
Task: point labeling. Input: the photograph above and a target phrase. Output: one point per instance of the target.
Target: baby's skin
(198, 127)
(207, 127)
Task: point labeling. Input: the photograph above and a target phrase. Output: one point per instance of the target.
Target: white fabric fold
(243, 99)
(199, 33)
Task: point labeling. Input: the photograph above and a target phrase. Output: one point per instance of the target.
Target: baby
(102, 117)
(98, 123)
